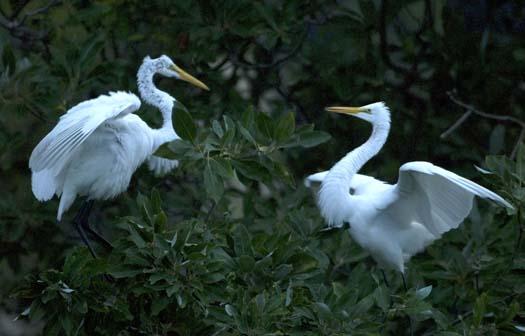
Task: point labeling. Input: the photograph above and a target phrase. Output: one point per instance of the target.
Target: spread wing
(161, 166)
(74, 127)
(434, 197)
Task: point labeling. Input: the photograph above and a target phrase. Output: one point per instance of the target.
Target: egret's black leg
(85, 225)
(77, 221)
(409, 318)
(84, 238)
(385, 317)
(81, 213)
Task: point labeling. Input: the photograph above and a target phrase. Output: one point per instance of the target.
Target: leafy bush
(231, 242)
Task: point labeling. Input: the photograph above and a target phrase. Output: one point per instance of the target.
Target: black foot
(97, 236)
(84, 238)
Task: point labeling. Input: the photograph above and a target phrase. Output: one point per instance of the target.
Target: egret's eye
(352, 191)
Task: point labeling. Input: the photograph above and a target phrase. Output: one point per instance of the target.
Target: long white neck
(160, 99)
(334, 195)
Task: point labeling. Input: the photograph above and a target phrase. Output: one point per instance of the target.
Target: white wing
(434, 197)
(55, 150)
(161, 166)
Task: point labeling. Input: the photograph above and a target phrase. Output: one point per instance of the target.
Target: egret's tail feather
(65, 202)
(43, 184)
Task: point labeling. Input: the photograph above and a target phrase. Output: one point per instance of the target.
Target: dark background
(431, 61)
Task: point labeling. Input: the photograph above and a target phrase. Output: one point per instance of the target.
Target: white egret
(393, 222)
(98, 144)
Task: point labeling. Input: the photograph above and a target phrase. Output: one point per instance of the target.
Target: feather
(161, 166)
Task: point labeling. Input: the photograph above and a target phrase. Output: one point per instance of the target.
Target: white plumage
(161, 166)
(393, 222)
(98, 144)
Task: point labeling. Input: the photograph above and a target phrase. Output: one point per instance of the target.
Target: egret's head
(166, 67)
(373, 113)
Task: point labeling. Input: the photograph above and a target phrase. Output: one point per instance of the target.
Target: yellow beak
(346, 110)
(183, 75)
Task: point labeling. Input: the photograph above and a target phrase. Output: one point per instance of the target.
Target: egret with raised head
(393, 222)
(98, 144)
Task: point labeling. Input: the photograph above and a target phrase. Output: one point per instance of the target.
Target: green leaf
(251, 169)
(246, 263)
(246, 134)
(217, 128)
(242, 241)
(158, 305)
(266, 14)
(172, 290)
(497, 139)
(285, 127)
(213, 183)
(422, 293)
(248, 118)
(230, 310)
(124, 272)
(8, 58)
(229, 124)
(260, 302)
(313, 138)
(164, 151)
(382, 297)
(136, 237)
(67, 324)
(323, 310)
(221, 166)
(184, 125)
(289, 294)
(480, 308)
(161, 221)
(264, 126)
(155, 201)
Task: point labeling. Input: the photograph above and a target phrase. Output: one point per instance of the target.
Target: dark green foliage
(231, 243)
(202, 276)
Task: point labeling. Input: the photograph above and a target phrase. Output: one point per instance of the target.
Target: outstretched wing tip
(55, 149)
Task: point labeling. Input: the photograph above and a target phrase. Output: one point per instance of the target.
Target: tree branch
(21, 6)
(472, 110)
(456, 125)
(17, 28)
(245, 64)
(39, 10)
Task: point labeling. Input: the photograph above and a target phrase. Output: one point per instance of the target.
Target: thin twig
(39, 10)
(275, 62)
(17, 28)
(18, 10)
(471, 109)
(485, 114)
(456, 125)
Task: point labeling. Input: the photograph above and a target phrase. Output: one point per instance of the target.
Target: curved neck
(348, 166)
(160, 99)
(335, 190)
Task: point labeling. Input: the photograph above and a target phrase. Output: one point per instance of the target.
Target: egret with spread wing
(98, 144)
(393, 222)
